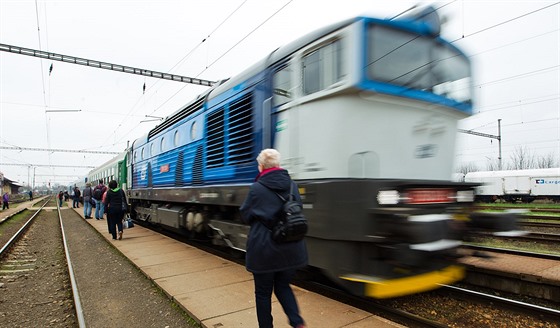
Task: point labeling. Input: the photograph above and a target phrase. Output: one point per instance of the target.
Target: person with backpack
(76, 197)
(98, 192)
(273, 264)
(87, 194)
(115, 202)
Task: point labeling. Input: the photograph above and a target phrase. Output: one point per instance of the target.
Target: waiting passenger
(76, 198)
(87, 194)
(273, 264)
(97, 197)
(115, 202)
(5, 201)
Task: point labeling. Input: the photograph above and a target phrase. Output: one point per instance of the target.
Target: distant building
(9, 186)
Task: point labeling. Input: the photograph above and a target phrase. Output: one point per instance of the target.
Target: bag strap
(290, 195)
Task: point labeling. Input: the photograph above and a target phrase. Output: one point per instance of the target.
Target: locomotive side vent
(179, 170)
(240, 137)
(216, 138)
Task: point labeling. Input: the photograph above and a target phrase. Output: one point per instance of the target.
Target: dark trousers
(114, 219)
(265, 283)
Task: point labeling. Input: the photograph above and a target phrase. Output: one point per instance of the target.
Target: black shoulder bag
(292, 224)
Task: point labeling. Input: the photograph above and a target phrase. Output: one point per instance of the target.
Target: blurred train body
(516, 185)
(113, 169)
(364, 113)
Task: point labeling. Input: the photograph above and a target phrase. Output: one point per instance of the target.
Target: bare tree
(492, 164)
(469, 167)
(522, 159)
(548, 161)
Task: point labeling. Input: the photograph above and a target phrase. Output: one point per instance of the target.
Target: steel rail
(509, 302)
(20, 232)
(75, 294)
(512, 252)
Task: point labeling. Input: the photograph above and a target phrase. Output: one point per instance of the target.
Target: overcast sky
(514, 46)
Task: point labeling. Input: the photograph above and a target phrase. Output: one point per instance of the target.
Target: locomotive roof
(113, 160)
(279, 54)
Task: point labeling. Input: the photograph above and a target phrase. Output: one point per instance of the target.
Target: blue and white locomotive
(364, 113)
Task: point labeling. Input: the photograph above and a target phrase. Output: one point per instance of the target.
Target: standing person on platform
(115, 202)
(104, 212)
(87, 194)
(30, 195)
(76, 198)
(97, 197)
(5, 201)
(273, 264)
(60, 198)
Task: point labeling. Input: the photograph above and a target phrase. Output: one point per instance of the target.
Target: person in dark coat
(87, 195)
(76, 198)
(273, 264)
(115, 203)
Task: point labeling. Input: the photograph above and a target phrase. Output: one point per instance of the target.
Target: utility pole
(498, 137)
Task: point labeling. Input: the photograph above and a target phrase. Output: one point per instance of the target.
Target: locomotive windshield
(417, 63)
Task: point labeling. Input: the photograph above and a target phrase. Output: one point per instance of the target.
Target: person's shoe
(120, 235)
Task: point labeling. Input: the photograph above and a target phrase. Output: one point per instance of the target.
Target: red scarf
(265, 171)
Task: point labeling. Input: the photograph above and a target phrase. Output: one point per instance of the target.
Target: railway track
(528, 208)
(42, 294)
(432, 309)
(507, 304)
(35, 250)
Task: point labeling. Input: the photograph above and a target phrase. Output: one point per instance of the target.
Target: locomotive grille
(230, 132)
(240, 132)
(179, 170)
(216, 136)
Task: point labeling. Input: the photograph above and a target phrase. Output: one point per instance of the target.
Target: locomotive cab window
(162, 144)
(417, 62)
(322, 68)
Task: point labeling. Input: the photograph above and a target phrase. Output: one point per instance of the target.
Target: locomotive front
(378, 195)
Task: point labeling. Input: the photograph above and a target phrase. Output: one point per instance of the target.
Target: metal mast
(499, 137)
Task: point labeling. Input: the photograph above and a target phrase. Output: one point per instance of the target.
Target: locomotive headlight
(465, 196)
(388, 197)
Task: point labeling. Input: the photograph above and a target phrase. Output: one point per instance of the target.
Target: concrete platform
(220, 293)
(523, 275)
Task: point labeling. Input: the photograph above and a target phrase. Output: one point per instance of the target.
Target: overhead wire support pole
(62, 150)
(99, 64)
(498, 137)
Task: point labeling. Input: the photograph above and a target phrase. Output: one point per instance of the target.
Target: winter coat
(260, 209)
(115, 200)
(87, 194)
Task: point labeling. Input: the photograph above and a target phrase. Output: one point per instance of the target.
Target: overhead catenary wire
(166, 101)
(220, 57)
(173, 67)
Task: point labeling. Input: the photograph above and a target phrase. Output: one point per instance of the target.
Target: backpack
(97, 193)
(292, 224)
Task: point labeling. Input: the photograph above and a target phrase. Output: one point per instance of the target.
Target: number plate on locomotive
(430, 196)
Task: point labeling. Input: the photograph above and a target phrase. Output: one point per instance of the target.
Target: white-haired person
(273, 264)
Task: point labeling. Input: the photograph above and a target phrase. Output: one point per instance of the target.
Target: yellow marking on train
(410, 285)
